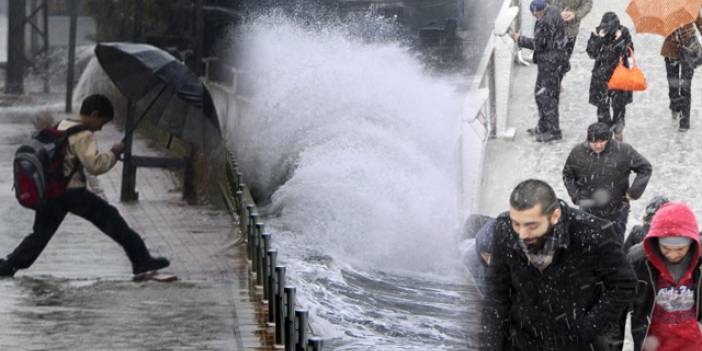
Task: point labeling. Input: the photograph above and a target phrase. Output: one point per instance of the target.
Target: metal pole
(244, 217)
(128, 192)
(272, 283)
(138, 15)
(71, 54)
(14, 73)
(199, 38)
(33, 32)
(258, 243)
(279, 305)
(266, 238)
(315, 344)
(239, 197)
(242, 188)
(229, 172)
(47, 74)
(290, 319)
(251, 230)
(239, 177)
(235, 178)
(301, 317)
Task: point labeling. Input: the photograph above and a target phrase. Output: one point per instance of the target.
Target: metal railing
(292, 331)
(485, 110)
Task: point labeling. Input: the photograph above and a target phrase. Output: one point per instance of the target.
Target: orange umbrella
(662, 16)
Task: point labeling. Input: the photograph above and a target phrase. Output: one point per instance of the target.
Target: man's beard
(538, 243)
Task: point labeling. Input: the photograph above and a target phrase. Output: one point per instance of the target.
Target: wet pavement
(79, 294)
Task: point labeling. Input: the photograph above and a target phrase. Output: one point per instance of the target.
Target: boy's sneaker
(6, 271)
(152, 264)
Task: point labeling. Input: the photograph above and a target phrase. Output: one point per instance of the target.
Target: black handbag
(690, 50)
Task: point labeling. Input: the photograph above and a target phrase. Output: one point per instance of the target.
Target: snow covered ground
(649, 128)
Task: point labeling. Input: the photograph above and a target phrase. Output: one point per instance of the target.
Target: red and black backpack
(38, 166)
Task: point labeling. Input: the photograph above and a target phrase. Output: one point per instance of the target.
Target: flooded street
(49, 313)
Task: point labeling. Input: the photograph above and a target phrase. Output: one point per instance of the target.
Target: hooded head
(610, 23)
(483, 240)
(652, 207)
(674, 226)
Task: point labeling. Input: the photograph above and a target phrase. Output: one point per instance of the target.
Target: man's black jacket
(586, 172)
(569, 305)
(549, 42)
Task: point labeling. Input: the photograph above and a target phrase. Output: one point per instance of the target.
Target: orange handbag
(627, 79)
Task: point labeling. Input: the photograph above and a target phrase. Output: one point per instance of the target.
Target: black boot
(684, 123)
(548, 137)
(534, 131)
(6, 271)
(152, 264)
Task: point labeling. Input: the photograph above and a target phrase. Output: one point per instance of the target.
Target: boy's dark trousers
(83, 203)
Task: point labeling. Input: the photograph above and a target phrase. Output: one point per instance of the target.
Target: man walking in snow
(596, 175)
(557, 280)
(551, 57)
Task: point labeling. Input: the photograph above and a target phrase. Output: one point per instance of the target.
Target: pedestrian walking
(557, 279)
(550, 56)
(477, 253)
(638, 232)
(666, 310)
(609, 44)
(474, 223)
(81, 155)
(679, 73)
(572, 12)
(596, 175)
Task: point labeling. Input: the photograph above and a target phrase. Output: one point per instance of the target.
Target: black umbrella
(163, 88)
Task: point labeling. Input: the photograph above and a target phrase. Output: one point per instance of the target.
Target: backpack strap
(67, 133)
(75, 130)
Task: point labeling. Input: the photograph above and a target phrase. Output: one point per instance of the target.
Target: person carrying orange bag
(609, 43)
(628, 79)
